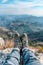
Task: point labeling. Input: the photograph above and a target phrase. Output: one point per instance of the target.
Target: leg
(29, 58)
(14, 58)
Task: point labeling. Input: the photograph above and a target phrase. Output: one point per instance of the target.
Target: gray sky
(17, 7)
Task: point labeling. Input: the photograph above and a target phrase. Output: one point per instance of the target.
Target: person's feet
(24, 40)
(20, 42)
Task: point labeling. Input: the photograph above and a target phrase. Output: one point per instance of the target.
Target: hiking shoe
(17, 42)
(24, 40)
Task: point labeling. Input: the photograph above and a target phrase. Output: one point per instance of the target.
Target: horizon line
(19, 15)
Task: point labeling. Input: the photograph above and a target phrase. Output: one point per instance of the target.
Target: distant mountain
(32, 25)
(19, 18)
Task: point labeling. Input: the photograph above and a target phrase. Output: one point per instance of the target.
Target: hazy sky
(17, 7)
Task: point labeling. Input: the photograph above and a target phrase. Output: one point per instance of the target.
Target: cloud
(15, 11)
(3, 1)
(17, 7)
(13, 1)
(7, 1)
